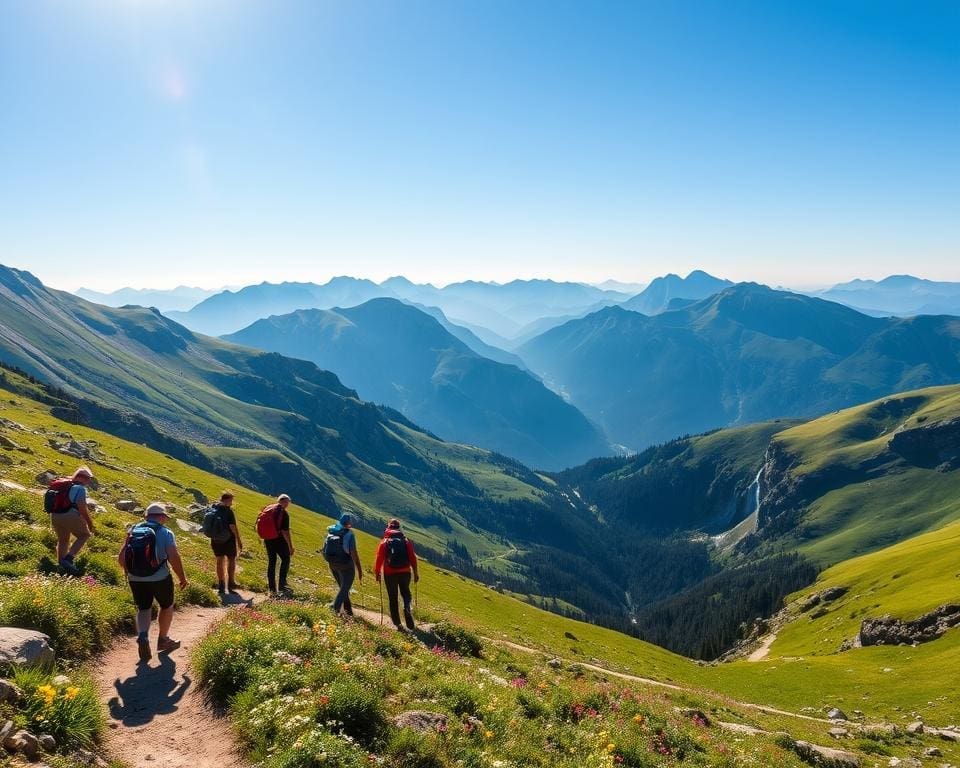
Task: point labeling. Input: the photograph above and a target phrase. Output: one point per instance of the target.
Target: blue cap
(346, 519)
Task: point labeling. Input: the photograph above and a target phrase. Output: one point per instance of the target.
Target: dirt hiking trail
(158, 718)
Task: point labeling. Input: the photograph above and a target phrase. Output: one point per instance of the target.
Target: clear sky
(159, 142)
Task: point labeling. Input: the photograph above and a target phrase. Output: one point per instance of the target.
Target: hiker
(396, 560)
(273, 526)
(66, 501)
(146, 557)
(220, 524)
(340, 551)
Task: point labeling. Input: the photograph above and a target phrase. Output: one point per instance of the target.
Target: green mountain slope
(747, 354)
(395, 354)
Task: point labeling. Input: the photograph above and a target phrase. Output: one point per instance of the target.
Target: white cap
(156, 508)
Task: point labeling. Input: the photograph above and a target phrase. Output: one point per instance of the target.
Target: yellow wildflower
(488, 734)
(71, 693)
(611, 746)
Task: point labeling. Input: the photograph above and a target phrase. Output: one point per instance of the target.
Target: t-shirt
(165, 540)
(349, 542)
(284, 518)
(77, 495)
(228, 516)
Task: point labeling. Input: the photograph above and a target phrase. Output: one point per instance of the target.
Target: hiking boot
(167, 644)
(67, 566)
(408, 617)
(221, 589)
(233, 589)
(143, 649)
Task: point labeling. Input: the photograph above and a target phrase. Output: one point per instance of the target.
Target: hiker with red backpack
(396, 560)
(66, 502)
(146, 557)
(273, 527)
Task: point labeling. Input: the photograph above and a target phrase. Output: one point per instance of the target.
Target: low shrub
(79, 615)
(69, 710)
(197, 594)
(318, 748)
(104, 568)
(460, 697)
(18, 507)
(21, 548)
(357, 711)
(457, 639)
(409, 749)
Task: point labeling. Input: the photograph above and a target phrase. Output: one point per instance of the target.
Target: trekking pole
(381, 601)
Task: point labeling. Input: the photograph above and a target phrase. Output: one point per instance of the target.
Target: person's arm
(121, 559)
(84, 511)
(378, 563)
(285, 532)
(356, 558)
(236, 534)
(413, 561)
(173, 557)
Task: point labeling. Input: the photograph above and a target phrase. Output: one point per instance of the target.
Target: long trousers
(398, 582)
(277, 549)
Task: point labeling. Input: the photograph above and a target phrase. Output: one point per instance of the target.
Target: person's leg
(404, 583)
(346, 581)
(283, 551)
(221, 573)
(337, 603)
(143, 599)
(164, 594)
(232, 573)
(81, 534)
(272, 566)
(392, 583)
(63, 536)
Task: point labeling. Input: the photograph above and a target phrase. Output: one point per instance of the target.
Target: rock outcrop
(888, 630)
(24, 647)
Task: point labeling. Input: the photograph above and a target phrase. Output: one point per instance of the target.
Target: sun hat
(83, 471)
(155, 509)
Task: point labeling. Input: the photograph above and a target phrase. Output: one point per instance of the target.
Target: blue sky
(159, 142)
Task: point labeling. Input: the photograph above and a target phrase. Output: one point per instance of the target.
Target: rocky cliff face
(934, 445)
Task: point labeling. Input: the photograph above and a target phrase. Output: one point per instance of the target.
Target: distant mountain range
(902, 295)
(501, 311)
(395, 354)
(657, 296)
(178, 299)
(744, 355)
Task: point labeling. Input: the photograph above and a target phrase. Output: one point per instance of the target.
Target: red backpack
(268, 522)
(57, 497)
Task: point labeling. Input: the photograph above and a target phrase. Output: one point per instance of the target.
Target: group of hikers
(150, 560)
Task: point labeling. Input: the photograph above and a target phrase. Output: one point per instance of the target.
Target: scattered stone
(948, 735)
(6, 730)
(47, 742)
(191, 527)
(9, 692)
(888, 630)
(932, 752)
(420, 720)
(127, 505)
(46, 477)
(569, 635)
(24, 743)
(825, 757)
(915, 728)
(5, 460)
(882, 729)
(8, 444)
(836, 714)
(89, 759)
(59, 681)
(24, 647)
(554, 663)
(839, 733)
(833, 593)
(905, 762)
(747, 730)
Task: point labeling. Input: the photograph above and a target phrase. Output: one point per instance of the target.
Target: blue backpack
(140, 550)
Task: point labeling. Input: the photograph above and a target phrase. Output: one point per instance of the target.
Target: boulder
(888, 630)
(420, 720)
(839, 733)
(890, 730)
(836, 714)
(127, 505)
(46, 477)
(932, 752)
(24, 743)
(9, 693)
(8, 444)
(915, 728)
(47, 742)
(198, 496)
(949, 735)
(825, 757)
(6, 730)
(24, 647)
(89, 759)
(833, 593)
(554, 663)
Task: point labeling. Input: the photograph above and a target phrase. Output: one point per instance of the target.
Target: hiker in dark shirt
(340, 552)
(273, 526)
(227, 551)
(396, 560)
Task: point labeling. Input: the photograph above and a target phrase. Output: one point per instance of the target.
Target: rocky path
(157, 715)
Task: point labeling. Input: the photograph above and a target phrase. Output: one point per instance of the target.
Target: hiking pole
(380, 582)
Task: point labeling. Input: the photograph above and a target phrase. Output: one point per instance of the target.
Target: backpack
(57, 497)
(333, 550)
(140, 550)
(214, 527)
(396, 552)
(268, 522)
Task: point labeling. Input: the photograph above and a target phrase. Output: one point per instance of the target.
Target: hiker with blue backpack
(340, 552)
(147, 556)
(220, 526)
(396, 560)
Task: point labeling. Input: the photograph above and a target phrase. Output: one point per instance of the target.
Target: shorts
(69, 522)
(224, 548)
(145, 592)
